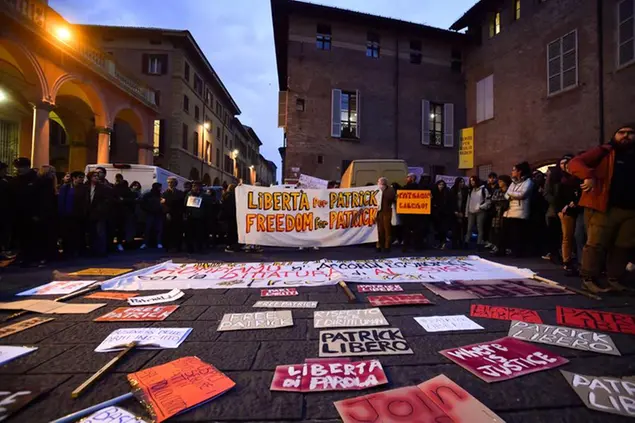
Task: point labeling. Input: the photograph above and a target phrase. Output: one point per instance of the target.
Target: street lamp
(206, 127)
(235, 156)
(63, 33)
(3, 96)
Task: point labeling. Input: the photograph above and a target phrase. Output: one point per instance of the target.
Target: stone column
(40, 142)
(103, 144)
(77, 155)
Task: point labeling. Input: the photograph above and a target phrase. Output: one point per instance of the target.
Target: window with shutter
(336, 112)
(448, 125)
(626, 32)
(485, 99)
(562, 63)
(425, 122)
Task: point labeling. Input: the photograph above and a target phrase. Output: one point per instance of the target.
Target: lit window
(372, 45)
(562, 66)
(495, 25)
(436, 124)
(349, 114)
(156, 138)
(516, 9)
(626, 30)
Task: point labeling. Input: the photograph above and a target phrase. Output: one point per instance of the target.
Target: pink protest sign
(317, 375)
(399, 299)
(279, 292)
(503, 359)
(379, 287)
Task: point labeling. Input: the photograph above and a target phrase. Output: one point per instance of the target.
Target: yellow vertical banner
(466, 149)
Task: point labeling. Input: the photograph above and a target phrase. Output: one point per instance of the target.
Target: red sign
(179, 385)
(503, 359)
(379, 288)
(399, 299)
(593, 319)
(328, 375)
(505, 313)
(132, 314)
(281, 292)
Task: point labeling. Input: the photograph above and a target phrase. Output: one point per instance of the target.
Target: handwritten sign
(559, 336)
(380, 287)
(260, 320)
(105, 295)
(436, 400)
(146, 338)
(179, 385)
(138, 314)
(503, 359)
(371, 341)
(101, 271)
(286, 304)
(194, 202)
(281, 292)
(349, 318)
(603, 393)
(400, 299)
(499, 288)
(504, 313)
(175, 294)
(8, 353)
(23, 325)
(111, 414)
(414, 201)
(447, 323)
(328, 375)
(593, 319)
(57, 288)
(12, 400)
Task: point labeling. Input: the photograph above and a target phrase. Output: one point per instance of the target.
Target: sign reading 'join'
(371, 341)
(559, 336)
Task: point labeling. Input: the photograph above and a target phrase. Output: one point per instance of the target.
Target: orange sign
(111, 295)
(414, 202)
(134, 314)
(179, 385)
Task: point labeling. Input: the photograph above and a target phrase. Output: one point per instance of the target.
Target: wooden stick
(567, 288)
(351, 297)
(78, 391)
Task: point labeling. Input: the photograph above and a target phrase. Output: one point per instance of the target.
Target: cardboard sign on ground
(175, 294)
(286, 304)
(103, 271)
(399, 299)
(259, 320)
(8, 352)
(603, 393)
(278, 292)
(107, 295)
(146, 338)
(23, 325)
(57, 288)
(12, 400)
(349, 318)
(498, 288)
(560, 336)
(328, 375)
(379, 287)
(436, 400)
(447, 323)
(504, 313)
(503, 359)
(50, 307)
(367, 341)
(171, 388)
(112, 414)
(593, 319)
(138, 314)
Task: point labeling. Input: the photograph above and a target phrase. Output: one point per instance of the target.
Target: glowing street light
(63, 33)
(3, 96)
(235, 153)
(207, 125)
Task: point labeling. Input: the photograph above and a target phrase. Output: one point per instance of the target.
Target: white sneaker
(143, 247)
(119, 247)
(316, 248)
(160, 246)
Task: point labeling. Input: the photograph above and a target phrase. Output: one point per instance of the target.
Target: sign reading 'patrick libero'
(370, 341)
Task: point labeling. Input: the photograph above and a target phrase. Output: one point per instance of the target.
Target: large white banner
(306, 217)
(171, 275)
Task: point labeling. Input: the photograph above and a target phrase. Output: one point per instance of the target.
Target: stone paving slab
(42, 332)
(226, 356)
(43, 354)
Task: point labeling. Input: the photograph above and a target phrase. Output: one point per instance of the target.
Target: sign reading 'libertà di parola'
(306, 218)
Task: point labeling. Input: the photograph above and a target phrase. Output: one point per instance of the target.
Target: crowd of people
(88, 215)
(580, 213)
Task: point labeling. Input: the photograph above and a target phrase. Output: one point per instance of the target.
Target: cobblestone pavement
(65, 356)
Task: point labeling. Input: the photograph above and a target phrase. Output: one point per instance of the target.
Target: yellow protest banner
(100, 272)
(414, 202)
(466, 149)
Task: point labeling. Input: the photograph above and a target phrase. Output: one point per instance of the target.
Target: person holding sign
(384, 215)
(196, 214)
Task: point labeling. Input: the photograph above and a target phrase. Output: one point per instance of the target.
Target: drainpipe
(396, 84)
(600, 41)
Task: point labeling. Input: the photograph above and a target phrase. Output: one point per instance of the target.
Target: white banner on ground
(170, 275)
(312, 182)
(306, 218)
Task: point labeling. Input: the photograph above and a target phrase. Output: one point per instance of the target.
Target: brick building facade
(543, 77)
(357, 86)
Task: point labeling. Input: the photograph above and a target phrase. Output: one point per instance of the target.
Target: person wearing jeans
(517, 215)
(475, 209)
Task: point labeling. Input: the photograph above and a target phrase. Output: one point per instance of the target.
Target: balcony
(40, 18)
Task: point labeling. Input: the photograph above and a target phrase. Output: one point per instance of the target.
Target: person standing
(196, 214)
(151, 206)
(98, 199)
(476, 205)
(70, 211)
(517, 215)
(6, 212)
(384, 215)
(500, 204)
(609, 200)
(229, 217)
(459, 199)
(491, 186)
(566, 205)
(173, 201)
(441, 212)
(410, 223)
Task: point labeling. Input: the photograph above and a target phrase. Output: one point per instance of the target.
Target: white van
(145, 174)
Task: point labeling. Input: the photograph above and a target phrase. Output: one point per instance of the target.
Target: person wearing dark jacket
(151, 206)
(124, 212)
(71, 215)
(441, 212)
(566, 206)
(196, 214)
(410, 223)
(609, 200)
(173, 201)
(27, 211)
(459, 200)
(228, 215)
(500, 204)
(6, 213)
(384, 215)
(97, 198)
